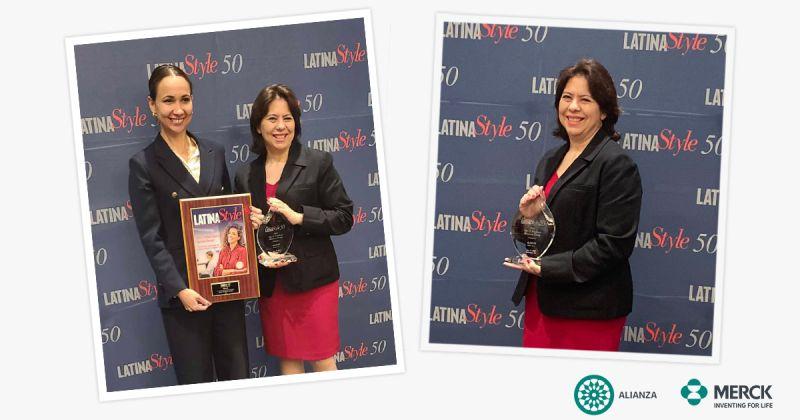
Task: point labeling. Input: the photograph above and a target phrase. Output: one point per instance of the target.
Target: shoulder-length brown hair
(238, 229)
(602, 89)
(261, 107)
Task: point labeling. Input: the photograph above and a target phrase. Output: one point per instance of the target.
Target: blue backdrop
(326, 64)
(496, 119)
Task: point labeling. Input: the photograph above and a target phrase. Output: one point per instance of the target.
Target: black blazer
(310, 185)
(156, 182)
(585, 273)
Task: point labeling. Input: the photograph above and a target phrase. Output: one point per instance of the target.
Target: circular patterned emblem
(594, 394)
(694, 392)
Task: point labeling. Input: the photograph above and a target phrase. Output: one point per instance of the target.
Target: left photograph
(231, 190)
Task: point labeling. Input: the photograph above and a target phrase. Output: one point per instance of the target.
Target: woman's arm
(335, 215)
(618, 204)
(148, 222)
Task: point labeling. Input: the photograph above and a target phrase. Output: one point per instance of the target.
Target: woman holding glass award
(205, 341)
(299, 202)
(579, 293)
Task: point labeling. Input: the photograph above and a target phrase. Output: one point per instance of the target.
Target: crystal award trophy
(274, 237)
(533, 234)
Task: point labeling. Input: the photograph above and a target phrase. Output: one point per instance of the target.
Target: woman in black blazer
(205, 341)
(299, 303)
(580, 295)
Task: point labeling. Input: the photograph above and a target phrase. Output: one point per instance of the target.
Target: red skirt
(301, 326)
(548, 332)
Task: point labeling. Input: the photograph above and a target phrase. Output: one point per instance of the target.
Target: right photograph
(578, 187)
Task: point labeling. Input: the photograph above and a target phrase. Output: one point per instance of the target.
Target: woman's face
(233, 237)
(172, 104)
(277, 127)
(577, 110)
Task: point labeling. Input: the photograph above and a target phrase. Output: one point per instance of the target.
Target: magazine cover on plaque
(220, 251)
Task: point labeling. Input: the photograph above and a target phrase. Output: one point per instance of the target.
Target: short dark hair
(602, 89)
(163, 71)
(260, 108)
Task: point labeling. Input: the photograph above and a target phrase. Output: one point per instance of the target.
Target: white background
(46, 347)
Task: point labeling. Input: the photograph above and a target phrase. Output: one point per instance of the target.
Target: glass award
(274, 238)
(533, 234)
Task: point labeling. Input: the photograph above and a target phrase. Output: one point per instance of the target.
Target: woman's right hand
(526, 203)
(256, 217)
(192, 301)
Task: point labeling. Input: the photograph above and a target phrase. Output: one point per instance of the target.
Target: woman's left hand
(279, 206)
(527, 264)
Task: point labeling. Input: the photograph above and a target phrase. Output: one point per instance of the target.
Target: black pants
(203, 342)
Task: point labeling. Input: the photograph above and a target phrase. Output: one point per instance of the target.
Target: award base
(519, 260)
(266, 258)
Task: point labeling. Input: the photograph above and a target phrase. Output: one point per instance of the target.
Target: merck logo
(694, 392)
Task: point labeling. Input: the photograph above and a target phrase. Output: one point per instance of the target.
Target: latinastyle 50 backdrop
(495, 95)
(325, 59)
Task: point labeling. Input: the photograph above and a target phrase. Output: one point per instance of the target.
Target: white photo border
(91, 278)
(441, 18)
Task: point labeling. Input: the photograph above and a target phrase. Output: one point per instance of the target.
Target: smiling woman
(170, 102)
(580, 294)
(299, 300)
(206, 342)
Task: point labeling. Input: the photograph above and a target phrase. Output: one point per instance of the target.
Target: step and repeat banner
(496, 121)
(325, 63)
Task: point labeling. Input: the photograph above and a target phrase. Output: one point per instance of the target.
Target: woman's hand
(263, 259)
(527, 264)
(257, 217)
(278, 264)
(192, 301)
(279, 206)
(526, 203)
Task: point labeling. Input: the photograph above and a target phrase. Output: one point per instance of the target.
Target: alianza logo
(594, 394)
(694, 392)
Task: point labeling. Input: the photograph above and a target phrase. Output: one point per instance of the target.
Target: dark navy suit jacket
(309, 184)
(156, 182)
(596, 202)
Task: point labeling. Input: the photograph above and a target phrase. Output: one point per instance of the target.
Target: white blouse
(192, 164)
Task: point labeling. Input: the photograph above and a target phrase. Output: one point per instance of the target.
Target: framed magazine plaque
(220, 248)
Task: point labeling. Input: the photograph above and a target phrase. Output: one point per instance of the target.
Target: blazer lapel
(581, 162)
(294, 165)
(174, 167)
(549, 167)
(208, 167)
(257, 183)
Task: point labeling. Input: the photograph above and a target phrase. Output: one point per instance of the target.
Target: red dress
(302, 326)
(544, 331)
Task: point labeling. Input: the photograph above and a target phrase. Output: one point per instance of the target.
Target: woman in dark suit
(206, 341)
(580, 295)
(299, 303)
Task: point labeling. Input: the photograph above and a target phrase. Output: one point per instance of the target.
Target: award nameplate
(533, 235)
(220, 248)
